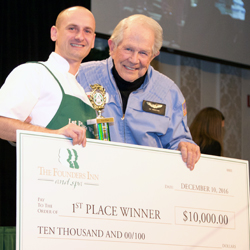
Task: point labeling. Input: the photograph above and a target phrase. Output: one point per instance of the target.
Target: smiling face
(133, 54)
(74, 34)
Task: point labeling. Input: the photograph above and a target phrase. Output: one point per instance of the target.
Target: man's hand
(190, 153)
(78, 134)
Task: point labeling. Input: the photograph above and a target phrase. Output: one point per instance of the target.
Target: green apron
(71, 110)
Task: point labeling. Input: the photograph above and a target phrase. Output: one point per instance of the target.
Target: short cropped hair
(61, 14)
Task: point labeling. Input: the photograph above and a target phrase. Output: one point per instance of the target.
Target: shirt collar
(60, 62)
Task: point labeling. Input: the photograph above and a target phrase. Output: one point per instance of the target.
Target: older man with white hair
(148, 107)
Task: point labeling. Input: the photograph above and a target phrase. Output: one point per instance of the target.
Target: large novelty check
(119, 196)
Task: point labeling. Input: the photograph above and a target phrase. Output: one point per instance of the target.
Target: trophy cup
(101, 124)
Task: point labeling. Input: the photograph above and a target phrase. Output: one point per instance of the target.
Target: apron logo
(68, 158)
(78, 123)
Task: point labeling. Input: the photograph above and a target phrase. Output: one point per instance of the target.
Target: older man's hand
(190, 153)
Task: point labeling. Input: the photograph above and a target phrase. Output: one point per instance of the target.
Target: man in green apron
(48, 92)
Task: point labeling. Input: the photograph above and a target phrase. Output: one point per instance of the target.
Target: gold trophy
(101, 124)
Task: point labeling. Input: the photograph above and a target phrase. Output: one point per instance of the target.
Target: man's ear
(156, 54)
(93, 44)
(53, 33)
(111, 46)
